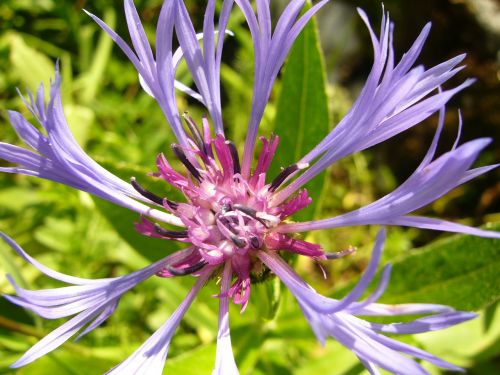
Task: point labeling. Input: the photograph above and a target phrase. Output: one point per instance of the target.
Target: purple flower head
(234, 216)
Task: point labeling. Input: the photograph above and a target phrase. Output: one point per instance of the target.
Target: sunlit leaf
(461, 271)
(477, 343)
(195, 362)
(29, 65)
(302, 113)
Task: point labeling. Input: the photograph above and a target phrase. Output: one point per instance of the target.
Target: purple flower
(233, 218)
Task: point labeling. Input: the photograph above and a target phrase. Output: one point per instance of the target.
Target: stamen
(241, 243)
(207, 136)
(145, 193)
(173, 205)
(182, 157)
(195, 132)
(252, 213)
(255, 242)
(224, 221)
(234, 155)
(170, 233)
(187, 270)
(226, 207)
(249, 211)
(341, 254)
(285, 173)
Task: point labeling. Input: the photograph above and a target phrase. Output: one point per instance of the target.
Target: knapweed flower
(234, 219)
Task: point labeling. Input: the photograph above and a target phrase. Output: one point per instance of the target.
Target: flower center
(227, 217)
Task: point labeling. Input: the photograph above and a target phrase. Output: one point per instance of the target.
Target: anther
(340, 254)
(252, 213)
(234, 155)
(173, 205)
(187, 270)
(226, 207)
(145, 193)
(170, 233)
(195, 132)
(224, 221)
(182, 157)
(285, 173)
(254, 242)
(241, 243)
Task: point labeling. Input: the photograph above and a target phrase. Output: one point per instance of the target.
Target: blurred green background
(123, 128)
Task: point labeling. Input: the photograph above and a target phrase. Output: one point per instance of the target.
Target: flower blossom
(234, 218)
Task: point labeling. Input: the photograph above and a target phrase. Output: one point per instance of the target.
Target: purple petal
(29, 134)
(371, 350)
(442, 225)
(56, 338)
(393, 100)
(378, 309)
(372, 369)
(294, 282)
(428, 183)
(368, 274)
(165, 69)
(270, 54)
(381, 287)
(401, 347)
(306, 294)
(138, 37)
(158, 82)
(201, 66)
(63, 160)
(224, 359)
(150, 357)
(93, 300)
(107, 311)
(49, 272)
(425, 324)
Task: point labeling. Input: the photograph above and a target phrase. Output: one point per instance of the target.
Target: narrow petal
(224, 359)
(61, 158)
(378, 309)
(381, 287)
(157, 77)
(363, 338)
(370, 349)
(150, 357)
(56, 338)
(429, 182)
(46, 270)
(93, 301)
(270, 54)
(425, 324)
(295, 283)
(201, 65)
(442, 225)
(108, 310)
(138, 37)
(394, 99)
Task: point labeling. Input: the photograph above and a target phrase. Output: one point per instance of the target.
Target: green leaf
(248, 342)
(90, 81)
(30, 66)
(333, 359)
(268, 293)
(461, 271)
(302, 117)
(122, 219)
(477, 343)
(80, 119)
(198, 361)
